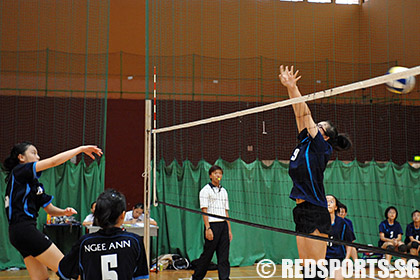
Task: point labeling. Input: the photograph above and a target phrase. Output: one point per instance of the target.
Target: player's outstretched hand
(90, 150)
(69, 211)
(288, 77)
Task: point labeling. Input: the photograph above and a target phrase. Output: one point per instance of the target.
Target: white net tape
(313, 96)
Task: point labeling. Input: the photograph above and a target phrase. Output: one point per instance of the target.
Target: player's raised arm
(303, 114)
(65, 156)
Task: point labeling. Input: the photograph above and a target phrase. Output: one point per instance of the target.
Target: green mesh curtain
(260, 194)
(218, 57)
(53, 92)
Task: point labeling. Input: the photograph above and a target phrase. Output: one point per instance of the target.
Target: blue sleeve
(319, 142)
(321, 147)
(382, 227)
(351, 226)
(36, 175)
(400, 231)
(42, 199)
(408, 231)
(350, 223)
(348, 233)
(24, 173)
(303, 134)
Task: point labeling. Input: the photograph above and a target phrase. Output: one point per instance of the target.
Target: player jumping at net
(306, 168)
(24, 196)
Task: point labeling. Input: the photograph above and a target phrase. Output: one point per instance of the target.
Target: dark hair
(387, 210)
(415, 211)
(214, 168)
(337, 203)
(92, 204)
(109, 206)
(339, 141)
(343, 206)
(12, 160)
(139, 205)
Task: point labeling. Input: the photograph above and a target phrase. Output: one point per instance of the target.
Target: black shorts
(28, 240)
(309, 217)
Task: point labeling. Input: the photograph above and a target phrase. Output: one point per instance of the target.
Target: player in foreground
(25, 195)
(110, 253)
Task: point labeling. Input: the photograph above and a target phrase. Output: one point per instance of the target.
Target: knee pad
(414, 244)
(402, 248)
(390, 248)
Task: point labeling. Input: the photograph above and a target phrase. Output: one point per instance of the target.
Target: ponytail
(12, 161)
(341, 142)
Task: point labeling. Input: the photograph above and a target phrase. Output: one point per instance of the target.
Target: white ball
(403, 85)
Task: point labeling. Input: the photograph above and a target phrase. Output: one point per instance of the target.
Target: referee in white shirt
(214, 200)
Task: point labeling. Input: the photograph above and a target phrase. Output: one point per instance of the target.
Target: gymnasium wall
(125, 148)
(376, 32)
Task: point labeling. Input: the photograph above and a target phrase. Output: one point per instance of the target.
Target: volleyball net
(253, 147)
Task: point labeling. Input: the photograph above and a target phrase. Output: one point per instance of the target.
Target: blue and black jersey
(111, 253)
(24, 194)
(306, 168)
(340, 231)
(350, 223)
(390, 231)
(411, 230)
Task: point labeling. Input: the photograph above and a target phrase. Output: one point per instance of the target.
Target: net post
(146, 175)
(154, 137)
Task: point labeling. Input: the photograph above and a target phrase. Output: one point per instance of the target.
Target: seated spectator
(390, 233)
(412, 233)
(89, 220)
(340, 230)
(137, 215)
(109, 253)
(343, 213)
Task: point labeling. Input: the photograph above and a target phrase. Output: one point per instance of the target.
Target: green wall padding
(259, 194)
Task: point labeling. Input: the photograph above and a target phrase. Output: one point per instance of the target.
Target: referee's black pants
(220, 244)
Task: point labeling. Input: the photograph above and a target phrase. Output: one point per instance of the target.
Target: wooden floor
(248, 273)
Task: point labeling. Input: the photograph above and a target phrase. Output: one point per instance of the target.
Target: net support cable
(291, 232)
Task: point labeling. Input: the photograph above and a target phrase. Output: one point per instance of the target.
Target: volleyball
(403, 85)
